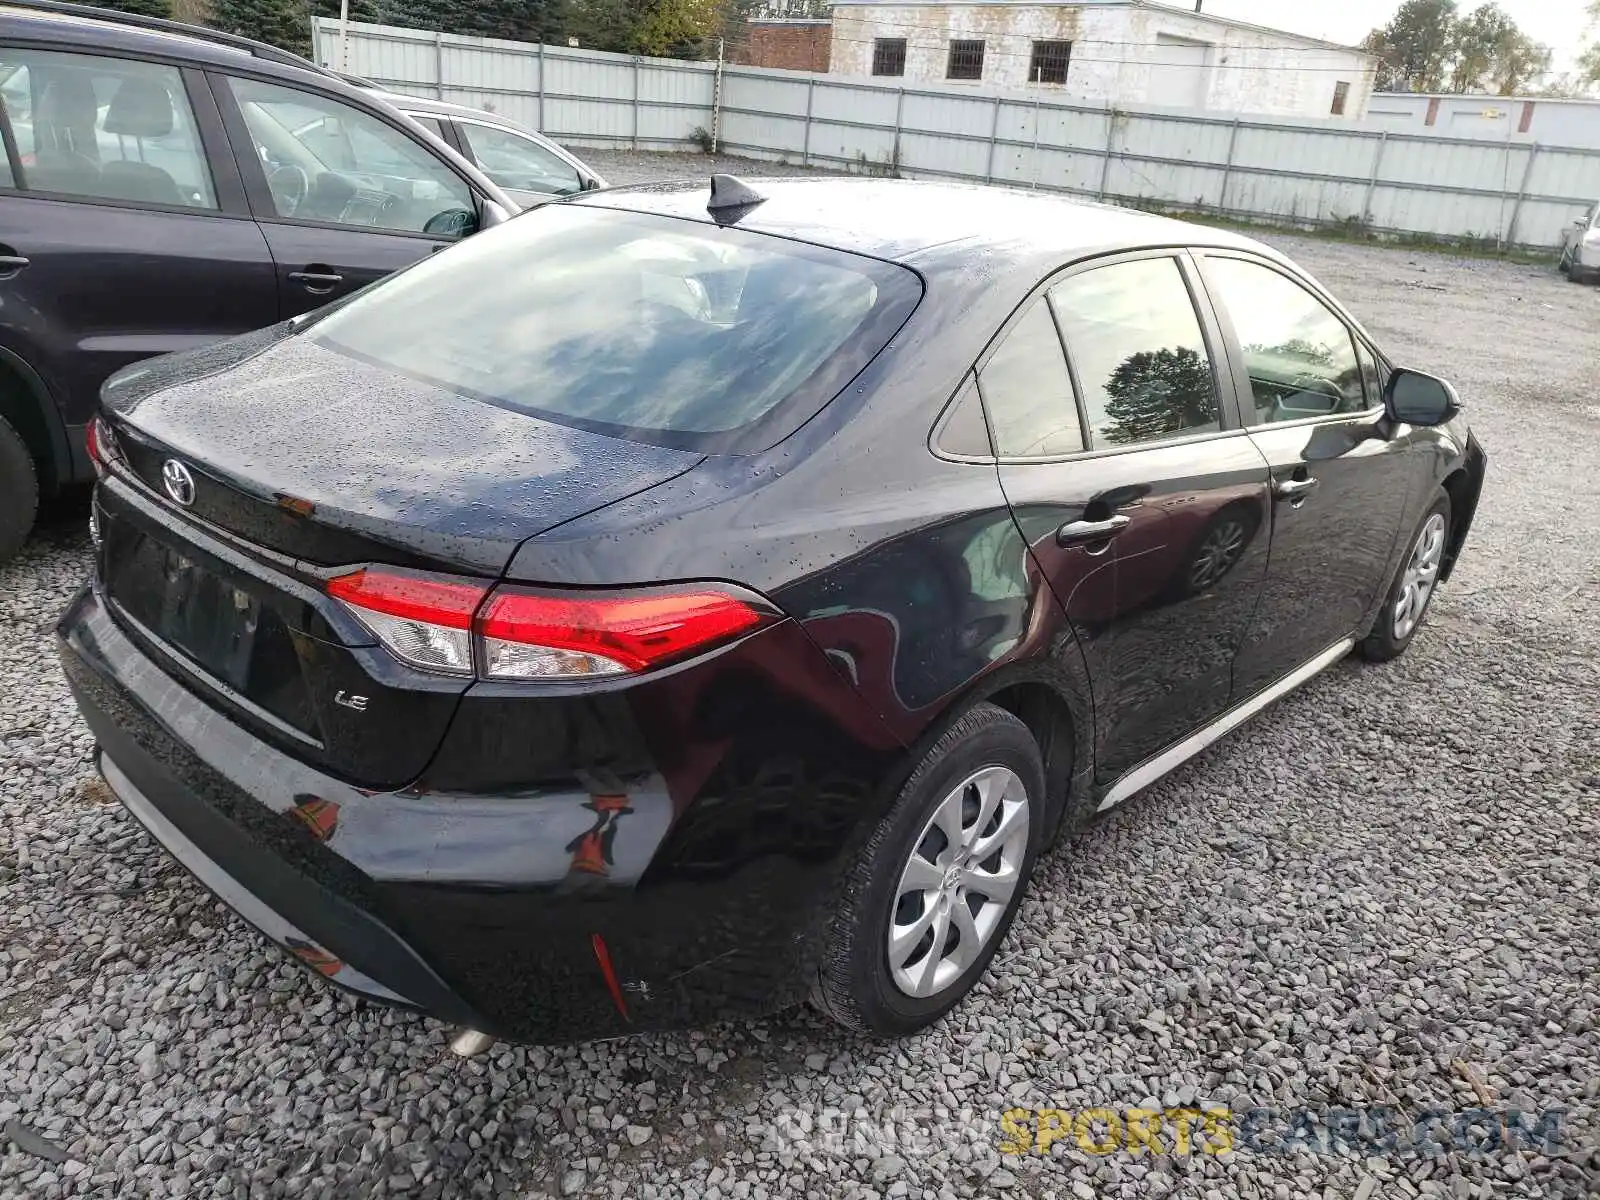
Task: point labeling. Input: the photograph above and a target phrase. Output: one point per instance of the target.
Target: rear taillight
(101, 444)
(467, 628)
(423, 620)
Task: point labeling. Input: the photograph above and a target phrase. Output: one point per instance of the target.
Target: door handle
(1074, 532)
(10, 264)
(1293, 489)
(317, 282)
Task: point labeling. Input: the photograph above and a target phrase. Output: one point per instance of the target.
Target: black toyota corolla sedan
(681, 602)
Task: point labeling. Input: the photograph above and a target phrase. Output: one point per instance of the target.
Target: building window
(1050, 61)
(889, 56)
(966, 61)
(1341, 97)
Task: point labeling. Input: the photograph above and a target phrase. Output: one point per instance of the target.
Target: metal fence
(1310, 173)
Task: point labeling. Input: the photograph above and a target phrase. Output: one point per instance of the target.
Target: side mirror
(1414, 398)
(493, 214)
(452, 223)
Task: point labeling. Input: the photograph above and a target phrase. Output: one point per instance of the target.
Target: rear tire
(1411, 592)
(982, 780)
(19, 491)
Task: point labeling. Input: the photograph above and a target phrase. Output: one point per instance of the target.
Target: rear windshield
(641, 326)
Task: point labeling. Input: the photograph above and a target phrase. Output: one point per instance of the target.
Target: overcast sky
(1556, 23)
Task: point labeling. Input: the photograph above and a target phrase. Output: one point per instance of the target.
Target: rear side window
(1027, 392)
(634, 325)
(102, 129)
(1138, 351)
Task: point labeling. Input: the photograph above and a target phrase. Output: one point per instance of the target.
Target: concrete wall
(1121, 54)
(788, 44)
(1549, 122)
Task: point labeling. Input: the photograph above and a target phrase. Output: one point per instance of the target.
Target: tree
(1493, 55)
(668, 28)
(1159, 392)
(1414, 48)
(1589, 60)
(282, 23)
(141, 8)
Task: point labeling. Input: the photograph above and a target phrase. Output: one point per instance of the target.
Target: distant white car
(527, 165)
(1580, 247)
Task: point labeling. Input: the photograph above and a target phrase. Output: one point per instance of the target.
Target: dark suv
(165, 186)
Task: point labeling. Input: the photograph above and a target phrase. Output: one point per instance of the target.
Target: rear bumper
(483, 911)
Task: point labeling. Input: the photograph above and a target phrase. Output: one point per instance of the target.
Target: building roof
(1208, 18)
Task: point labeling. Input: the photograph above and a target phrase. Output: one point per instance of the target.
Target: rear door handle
(1293, 489)
(1074, 532)
(317, 282)
(10, 264)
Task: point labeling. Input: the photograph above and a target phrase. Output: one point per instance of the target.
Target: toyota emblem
(179, 483)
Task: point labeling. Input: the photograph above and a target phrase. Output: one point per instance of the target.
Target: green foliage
(141, 8)
(1429, 47)
(282, 23)
(1159, 392)
(661, 28)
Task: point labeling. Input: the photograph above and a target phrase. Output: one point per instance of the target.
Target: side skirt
(1153, 769)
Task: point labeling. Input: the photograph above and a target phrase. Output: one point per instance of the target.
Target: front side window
(1028, 393)
(966, 60)
(632, 325)
(104, 129)
(514, 161)
(1299, 355)
(889, 56)
(330, 162)
(1049, 62)
(1140, 357)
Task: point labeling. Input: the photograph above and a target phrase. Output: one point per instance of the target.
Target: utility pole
(344, 35)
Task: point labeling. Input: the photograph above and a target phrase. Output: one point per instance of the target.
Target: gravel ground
(1386, 889)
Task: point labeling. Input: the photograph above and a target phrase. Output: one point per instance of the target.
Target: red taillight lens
(101, 445)
(423, 620)
(537, 635)
(527, 633)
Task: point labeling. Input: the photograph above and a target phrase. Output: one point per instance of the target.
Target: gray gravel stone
(1395, 870)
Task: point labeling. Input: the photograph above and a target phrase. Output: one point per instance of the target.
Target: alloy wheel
(1421, 574)
(1217, 555)
(957, 884)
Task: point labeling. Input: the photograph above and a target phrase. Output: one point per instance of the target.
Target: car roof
(902, 220)
(406, 102)
(108, 31)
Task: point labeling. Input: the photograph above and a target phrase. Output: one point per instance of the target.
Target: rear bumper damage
(537, 914)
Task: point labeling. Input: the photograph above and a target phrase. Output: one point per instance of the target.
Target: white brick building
(1129, 52)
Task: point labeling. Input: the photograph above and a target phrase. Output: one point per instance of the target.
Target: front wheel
(934, 890)
(1413, 586)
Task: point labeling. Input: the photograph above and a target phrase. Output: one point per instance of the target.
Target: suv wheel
(19, 491)
(933, 892)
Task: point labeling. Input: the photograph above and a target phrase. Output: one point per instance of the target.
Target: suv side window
(103, 129)
(1371, 374)
(1140, 356)
(1300, 356)
(1027, 392)
(329, 162)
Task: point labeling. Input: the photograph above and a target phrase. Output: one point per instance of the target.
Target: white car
(1580, 247)
(527, 165)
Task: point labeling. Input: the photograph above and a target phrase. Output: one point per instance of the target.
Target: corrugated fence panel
(852, 125)
(1309, 172)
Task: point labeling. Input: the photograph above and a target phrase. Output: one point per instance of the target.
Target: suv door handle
(1074, 532)
(1293, 489)
(10, 264)
(318, 283)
